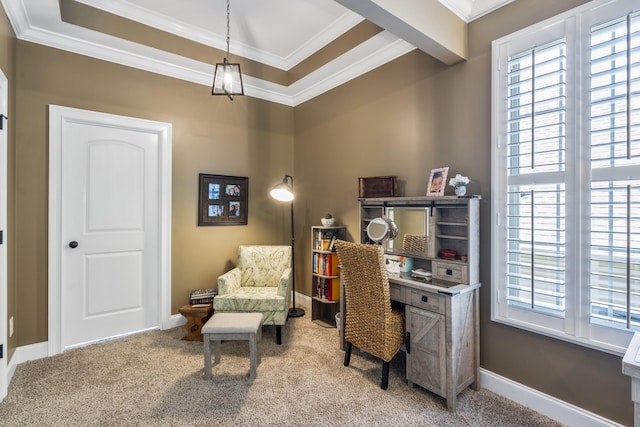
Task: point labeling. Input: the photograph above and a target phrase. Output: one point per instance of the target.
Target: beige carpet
(156, 379)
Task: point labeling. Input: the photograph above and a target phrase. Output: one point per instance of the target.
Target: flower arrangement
(459, 181)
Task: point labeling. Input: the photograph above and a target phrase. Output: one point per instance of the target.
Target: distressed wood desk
(442, 334)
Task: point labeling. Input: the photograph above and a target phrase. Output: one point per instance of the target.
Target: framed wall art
(437, 181)
(223, 200)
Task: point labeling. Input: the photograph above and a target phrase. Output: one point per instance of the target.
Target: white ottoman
(232, 327)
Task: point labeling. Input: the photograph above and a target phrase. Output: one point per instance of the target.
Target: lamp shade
(282, 192)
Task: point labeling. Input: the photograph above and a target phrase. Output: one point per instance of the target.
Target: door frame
(4, 109)
(58, 115)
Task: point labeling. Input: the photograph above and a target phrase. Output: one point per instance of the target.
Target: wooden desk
(443, 334)
(196, 318)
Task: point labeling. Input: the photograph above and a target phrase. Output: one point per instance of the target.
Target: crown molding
(182, 29)
(378, 50)
(470, 10)
(38, 21)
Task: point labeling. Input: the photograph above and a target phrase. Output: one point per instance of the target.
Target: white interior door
(110, 228)
(3, 230)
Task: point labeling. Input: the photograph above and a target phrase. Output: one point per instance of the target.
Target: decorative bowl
(327, 222)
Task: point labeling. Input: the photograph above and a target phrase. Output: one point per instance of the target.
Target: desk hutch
(441, 313)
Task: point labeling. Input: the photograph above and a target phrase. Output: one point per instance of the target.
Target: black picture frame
(223, 200)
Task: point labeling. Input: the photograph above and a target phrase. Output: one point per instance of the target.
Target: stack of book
(202, 297)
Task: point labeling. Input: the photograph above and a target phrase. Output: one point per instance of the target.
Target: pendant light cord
(228, 25)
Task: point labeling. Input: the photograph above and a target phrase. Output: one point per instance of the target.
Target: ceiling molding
(39, 21)
(470, 10)
(44, 26)
(183, 29)
(378, 50)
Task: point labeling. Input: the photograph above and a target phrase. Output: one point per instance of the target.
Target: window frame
(575, 26)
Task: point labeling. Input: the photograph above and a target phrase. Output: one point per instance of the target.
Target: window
(566, 176)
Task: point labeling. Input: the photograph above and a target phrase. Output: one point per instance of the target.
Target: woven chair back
(367, 299)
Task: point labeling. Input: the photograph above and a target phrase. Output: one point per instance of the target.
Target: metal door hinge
(1, 351)
(1, 237)
(2, 117)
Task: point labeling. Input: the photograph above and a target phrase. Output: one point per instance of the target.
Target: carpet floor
(156, 379)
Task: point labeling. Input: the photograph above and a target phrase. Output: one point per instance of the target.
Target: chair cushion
(263, 265)
(256, 299)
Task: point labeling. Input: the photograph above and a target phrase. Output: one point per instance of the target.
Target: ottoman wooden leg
(216, 351)
(207, 357)
(259, 336)
(253, 355)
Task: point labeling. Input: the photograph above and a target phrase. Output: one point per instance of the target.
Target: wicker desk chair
(370, 323)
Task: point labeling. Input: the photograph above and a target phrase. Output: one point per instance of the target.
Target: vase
(461, 190)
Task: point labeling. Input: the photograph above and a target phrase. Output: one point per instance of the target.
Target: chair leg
(347, 354)
(385, 375)
(279, 334)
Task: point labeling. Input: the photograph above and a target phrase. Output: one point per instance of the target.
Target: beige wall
(7, 65)
(246, 137)
(406, 118)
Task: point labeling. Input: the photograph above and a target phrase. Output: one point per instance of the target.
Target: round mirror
(380, 228)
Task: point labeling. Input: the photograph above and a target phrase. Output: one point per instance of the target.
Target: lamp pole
(293, 311)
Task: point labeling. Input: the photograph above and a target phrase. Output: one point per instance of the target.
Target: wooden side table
(196, 316)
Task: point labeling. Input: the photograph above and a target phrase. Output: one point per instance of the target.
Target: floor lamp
(284, 193)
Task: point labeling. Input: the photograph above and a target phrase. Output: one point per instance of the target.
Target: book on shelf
(326, 288)
(334, 290)
(331, 244)
(324, 240)
(326, 264)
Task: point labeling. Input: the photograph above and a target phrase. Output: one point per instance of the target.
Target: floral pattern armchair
(260, 283)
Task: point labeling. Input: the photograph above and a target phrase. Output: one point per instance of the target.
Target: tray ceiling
(290, 50)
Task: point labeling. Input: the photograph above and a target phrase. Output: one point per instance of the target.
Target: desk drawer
(450, 271)
(397, 292)
(427, 300)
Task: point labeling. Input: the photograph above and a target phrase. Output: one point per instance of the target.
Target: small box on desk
(398, 264)
(378, 186)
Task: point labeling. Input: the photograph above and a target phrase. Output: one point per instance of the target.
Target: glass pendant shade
(227, 80)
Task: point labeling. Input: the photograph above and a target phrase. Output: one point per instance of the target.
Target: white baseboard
(544, 404)
(177, 320)
(24, 354)
(303, 301)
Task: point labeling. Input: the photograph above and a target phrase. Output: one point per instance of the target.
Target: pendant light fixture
(227, 79)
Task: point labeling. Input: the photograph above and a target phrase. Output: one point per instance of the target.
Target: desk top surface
(439, 286)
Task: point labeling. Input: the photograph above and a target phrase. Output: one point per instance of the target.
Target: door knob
(73, 244)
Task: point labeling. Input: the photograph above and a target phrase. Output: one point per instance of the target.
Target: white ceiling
(279, 33)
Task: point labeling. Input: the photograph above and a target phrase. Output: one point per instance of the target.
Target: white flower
(459, 181)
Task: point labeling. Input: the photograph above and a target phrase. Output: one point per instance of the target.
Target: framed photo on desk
(437, 181)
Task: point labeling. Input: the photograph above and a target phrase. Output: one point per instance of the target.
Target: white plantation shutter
(566, 176)
(614, 153)
(615, 254)
(536, 136)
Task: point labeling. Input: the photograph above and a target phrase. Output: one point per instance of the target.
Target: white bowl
(327, 222)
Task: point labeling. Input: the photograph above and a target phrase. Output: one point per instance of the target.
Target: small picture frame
(223, 200)
(437, 181)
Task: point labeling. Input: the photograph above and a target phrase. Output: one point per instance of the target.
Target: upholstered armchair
(371, 324)
(261, 283)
